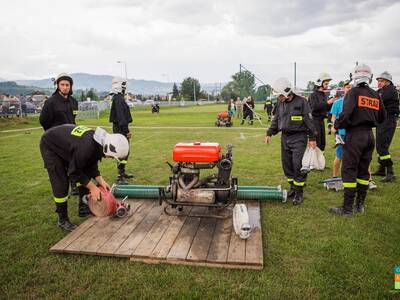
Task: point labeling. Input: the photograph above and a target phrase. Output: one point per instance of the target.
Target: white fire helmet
(362, 74)
(115, 145)
(321, 78)
(282, 86)
(118, 85)
(385, 75)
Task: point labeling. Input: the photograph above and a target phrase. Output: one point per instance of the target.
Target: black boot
(361, 195)
(241, 123)
(347, 208)
(291, 192)
(389, 175)
(63, 220)
(380, 172)
(121, 180)
(298, 195)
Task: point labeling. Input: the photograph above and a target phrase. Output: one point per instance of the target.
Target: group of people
(71, 153)
(302, 123)
(243, 109)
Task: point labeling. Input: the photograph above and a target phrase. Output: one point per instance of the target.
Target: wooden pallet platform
(151, 236)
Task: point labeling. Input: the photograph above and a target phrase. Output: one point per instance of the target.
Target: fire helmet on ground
(115, 145)
(385, 75)
(282, 86)
(118, 84)
(321, 78)
(362, 74)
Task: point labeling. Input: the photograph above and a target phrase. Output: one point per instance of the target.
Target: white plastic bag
(313, 159)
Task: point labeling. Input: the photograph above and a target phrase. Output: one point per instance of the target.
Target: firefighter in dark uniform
(248, 108)
(292, 117)
(120, 116)
(61, 108)
(320, 106)
(362, 110)
(385, 131)
(268, 108)
(70, 151)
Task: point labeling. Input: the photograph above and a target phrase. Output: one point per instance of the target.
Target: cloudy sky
(207, 39)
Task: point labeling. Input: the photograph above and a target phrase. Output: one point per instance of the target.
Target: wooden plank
(181, 246)
(152, 238)
(237, 248)
(195, 264)
(122, 234)
(106, 232)
(67, 240)
(163, 247)
(254, 246)
(137, 235)
(201, 242)
(218, 252)
(86, 238)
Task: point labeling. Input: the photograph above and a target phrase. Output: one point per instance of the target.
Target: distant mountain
(12, 88)
(102, 83)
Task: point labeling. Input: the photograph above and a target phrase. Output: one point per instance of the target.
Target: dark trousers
(320, 128)
(293, 147)
(247, 113)
(57, 170)
(122, 163)
(357, 155)
(384, 136)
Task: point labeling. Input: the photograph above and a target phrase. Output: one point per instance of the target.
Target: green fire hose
(244, 192)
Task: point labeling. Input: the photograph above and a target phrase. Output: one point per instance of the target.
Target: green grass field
(308, 253)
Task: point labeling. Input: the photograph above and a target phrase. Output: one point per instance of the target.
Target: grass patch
(308, 253)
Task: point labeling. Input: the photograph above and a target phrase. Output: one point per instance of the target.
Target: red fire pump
(187, 188)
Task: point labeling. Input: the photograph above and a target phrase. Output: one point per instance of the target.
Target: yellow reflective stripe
(60, 200)
(124, 162)
(79, 130)
(78, 184)
(296, 118)
(385, 157)
(362, 181)
(290, 180)
(75, 112)
(298, 183)
(350, 184)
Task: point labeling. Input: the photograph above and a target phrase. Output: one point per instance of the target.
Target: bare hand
(312, 144)
(129, 135)
(95, 193)
(331, 100)
(268, 140)
(103, 183)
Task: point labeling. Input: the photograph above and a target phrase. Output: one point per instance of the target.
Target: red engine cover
(223, 115)
(197, 152)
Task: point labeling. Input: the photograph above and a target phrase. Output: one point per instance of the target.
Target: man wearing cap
(385, 131)
(293, 118)
(70, 151)
(61, 108)
(320, 106)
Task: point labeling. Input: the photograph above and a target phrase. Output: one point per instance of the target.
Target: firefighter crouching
(362, 110)
(292, 117)
(70, 151)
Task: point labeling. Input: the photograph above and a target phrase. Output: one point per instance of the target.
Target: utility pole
(194, 90)
(126, 72)
(240, 81)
